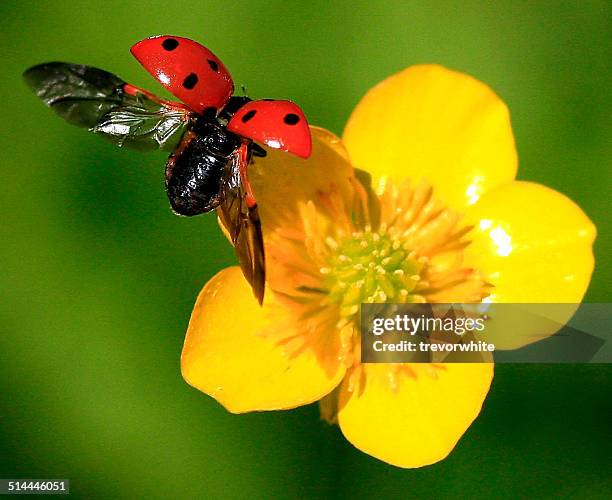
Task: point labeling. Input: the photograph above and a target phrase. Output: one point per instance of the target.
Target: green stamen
(372, 267)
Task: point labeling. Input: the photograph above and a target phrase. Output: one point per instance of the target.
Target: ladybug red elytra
(211, 136)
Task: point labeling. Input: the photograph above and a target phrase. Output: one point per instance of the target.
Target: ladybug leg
(243, 153)
(258, 150)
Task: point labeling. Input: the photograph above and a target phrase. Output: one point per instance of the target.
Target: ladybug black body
(195, 170)
(211, 137)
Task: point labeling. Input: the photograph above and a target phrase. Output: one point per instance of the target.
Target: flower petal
(428, 121)
(420, 421)
(282, 182)
(535, 246)
(228, 355)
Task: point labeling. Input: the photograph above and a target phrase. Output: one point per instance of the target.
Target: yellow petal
(283, 182)
(535, 246)
(229, 354)
(428, 121)
(419, 422)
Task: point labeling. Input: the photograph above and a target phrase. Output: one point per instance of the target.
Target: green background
(98, 277)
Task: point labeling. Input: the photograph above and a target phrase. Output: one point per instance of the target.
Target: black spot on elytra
(190, 81)
(248, 115)
(170, 44)
(213, 65)
(291, 119)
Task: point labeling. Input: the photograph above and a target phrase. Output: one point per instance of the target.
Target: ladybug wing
(188, 70)
(144, 123)
(103, 103)
(278, 124)
(238, 214)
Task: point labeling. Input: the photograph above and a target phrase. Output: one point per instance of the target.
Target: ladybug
(210, 135)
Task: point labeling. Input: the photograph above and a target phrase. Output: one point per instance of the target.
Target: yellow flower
(445, 222)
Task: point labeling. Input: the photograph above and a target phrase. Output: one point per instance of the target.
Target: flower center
(372, 266)
(407, 247)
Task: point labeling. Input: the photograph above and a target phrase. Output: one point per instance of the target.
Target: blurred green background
(99, 278)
